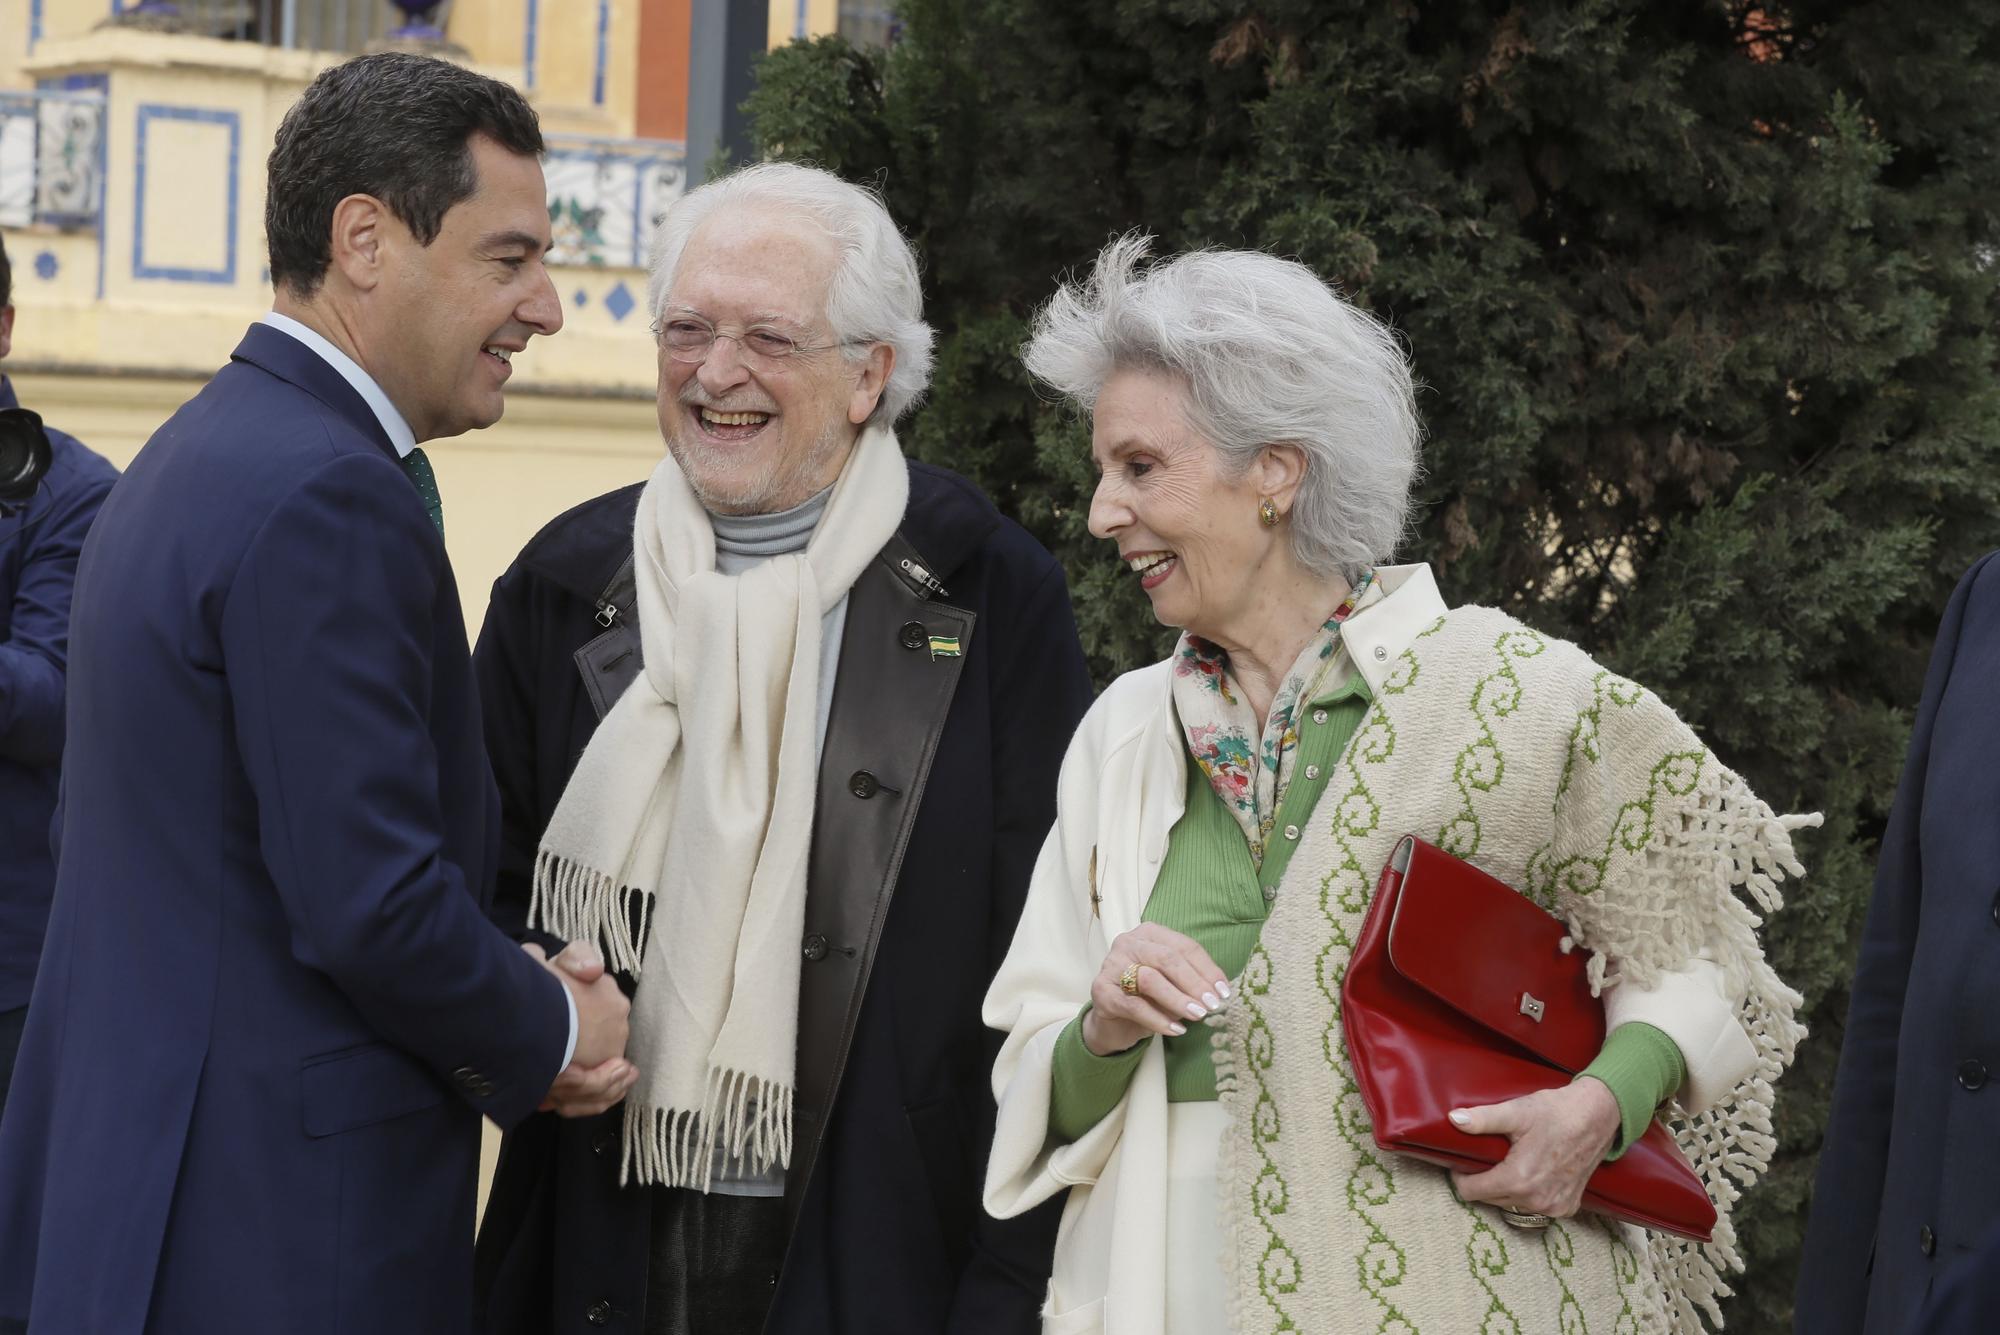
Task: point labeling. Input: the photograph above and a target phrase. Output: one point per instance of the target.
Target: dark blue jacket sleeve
(34, 652)
(1041, 689)
(327, 636)
(1832, 1292)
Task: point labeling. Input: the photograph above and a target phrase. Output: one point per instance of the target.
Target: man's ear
(7, 330)
(360, 236)
(874, 379)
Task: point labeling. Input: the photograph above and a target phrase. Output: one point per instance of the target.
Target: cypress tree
(1700, 295)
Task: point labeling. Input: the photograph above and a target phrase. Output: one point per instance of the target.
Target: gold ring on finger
(1128, 981)
(1524, 1218)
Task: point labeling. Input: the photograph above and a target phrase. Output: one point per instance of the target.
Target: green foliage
(1700, 294)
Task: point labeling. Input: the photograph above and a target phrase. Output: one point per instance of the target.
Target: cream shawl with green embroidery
(1586, 792)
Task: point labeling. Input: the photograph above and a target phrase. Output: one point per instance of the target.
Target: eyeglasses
(687, 338)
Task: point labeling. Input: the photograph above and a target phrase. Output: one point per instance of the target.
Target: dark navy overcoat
(1909, 1176)
(271, 1007)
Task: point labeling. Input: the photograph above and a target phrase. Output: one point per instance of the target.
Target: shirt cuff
(1084, 1086)
(569, 1048)
(1641, 1067)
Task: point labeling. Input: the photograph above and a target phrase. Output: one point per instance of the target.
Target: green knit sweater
(1209, 889)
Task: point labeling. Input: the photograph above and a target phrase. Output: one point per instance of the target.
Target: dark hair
(6, 276)
(393, 126)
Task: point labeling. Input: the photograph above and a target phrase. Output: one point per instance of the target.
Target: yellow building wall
(793, 19)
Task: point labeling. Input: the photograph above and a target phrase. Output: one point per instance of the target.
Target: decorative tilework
(580, 300)
(226, 272)
(619, 301)
(46, 265)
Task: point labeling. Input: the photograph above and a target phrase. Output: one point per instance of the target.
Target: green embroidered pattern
(1480, 766)
(1486, 1255)
(1606, 689)
(1559, 1249)
(1625, 1269)
(1547, 877)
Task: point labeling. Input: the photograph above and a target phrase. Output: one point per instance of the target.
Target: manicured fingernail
(1196, 1009)
(1177, 1029)
(1208, 1000)
(1222, 990)
(1459, 1117)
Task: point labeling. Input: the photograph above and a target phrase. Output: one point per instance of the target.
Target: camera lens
(24, 455)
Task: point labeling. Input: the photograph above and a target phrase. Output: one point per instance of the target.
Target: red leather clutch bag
(1459, 994)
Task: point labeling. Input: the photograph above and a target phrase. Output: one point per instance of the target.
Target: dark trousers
(714, 1263)
(11, 1024)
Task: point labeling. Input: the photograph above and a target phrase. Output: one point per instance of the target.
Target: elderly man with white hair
(1222, 819)
(776, 731)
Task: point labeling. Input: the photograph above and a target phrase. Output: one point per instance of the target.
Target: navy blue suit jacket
(38, 552)
(271, 1007)
(1909, 1176)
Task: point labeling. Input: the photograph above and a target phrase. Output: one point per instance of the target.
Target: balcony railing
(309, 25)
(606, 194)
(51, 158)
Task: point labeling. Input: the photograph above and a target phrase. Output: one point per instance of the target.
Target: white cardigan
(1122, 788)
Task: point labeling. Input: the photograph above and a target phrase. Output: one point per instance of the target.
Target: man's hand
(598, 1075)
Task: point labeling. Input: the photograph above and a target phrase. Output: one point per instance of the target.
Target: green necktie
(419, 469)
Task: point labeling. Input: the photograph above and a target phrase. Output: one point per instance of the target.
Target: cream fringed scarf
(717, 864)
(1586, 793)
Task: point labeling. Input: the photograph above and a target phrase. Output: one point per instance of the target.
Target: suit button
(862, 784)
(815, 947)
(1996, 908)
(1927, 1240)
(915, 635)
(598, 1313)
(1971, 1074)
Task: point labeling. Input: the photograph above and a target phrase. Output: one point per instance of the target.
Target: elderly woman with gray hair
(1222, 816)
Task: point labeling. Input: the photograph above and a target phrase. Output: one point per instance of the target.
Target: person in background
(776, 730)
(272, 1009)
(39, 545)
(1907, 1203)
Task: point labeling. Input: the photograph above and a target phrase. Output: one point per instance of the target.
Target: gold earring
(1268, 512)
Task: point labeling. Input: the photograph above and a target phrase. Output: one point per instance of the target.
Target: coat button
(1312, 771)
(1292, 832)
(1319, 716)
(1270, 893)
(862, 784)
(602, 1143)
(1927, 1240)
(915, 635)
(598, 1313)
(1971, 1074)
(815, 947)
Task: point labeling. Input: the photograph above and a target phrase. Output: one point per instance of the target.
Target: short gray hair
(1269, 354)
(877, 296)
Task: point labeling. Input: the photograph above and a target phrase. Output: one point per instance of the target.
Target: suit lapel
(283, 356)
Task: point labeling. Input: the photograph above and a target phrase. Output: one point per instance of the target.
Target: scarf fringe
(577, 903)
(750, 1116)
(1724, 839)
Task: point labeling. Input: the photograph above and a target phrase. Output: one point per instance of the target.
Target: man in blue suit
(39, 543)
(1907, 1206)
(271, 1007)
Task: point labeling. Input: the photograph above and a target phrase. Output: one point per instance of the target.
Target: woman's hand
(1560, 1136)
(1177, 981)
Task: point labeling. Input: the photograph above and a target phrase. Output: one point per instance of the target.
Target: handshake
(598, 1076)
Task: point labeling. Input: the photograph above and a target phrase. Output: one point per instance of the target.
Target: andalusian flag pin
(945, 646)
